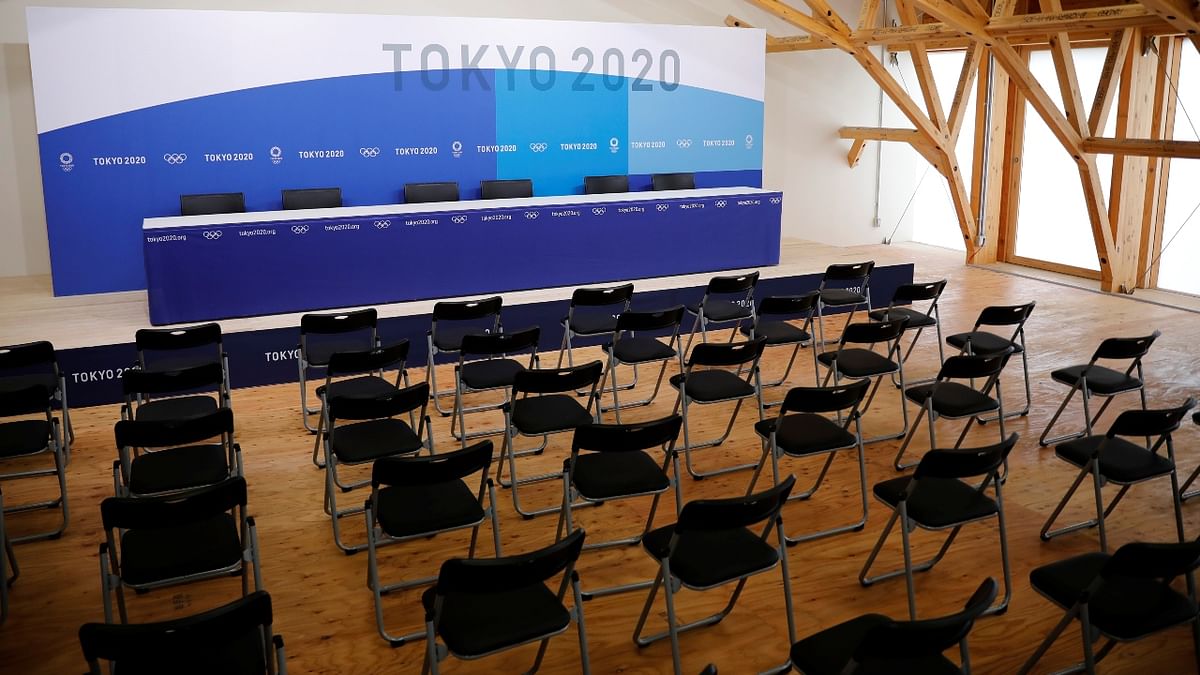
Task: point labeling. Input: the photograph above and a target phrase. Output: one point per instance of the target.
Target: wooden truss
(1125, 228)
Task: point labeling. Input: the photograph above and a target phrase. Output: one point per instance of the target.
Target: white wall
(809, 95)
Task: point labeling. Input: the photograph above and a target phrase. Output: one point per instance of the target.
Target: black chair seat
(855, 362)
(152, 555)
(639, 349)
(1120, 460)
(714, 385)
(952, 399)
(178, 469)
(830, 651)
(807, 434)
(722, 310)
(180, 408)
(705, 558)
(592, 323)
(778, 332)
(836, 297)
(603, 475)
(367, 386)
(370, 440)
(937, 502)
(983, 342)
(11, 383)
(320, 349)
(915, 319)
(24, 437)
(418, 509)
(478, 623)
(1123, 608)
(490, 373)
(544, 414)
(1100, 380)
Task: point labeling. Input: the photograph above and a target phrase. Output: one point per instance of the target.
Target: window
(1181, 229)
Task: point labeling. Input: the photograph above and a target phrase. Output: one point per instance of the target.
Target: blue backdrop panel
(691, 129)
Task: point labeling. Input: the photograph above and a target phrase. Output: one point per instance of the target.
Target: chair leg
(585, 661)
(902, 466)
(908, 566)
(1044, 647)
(1043, 440)
(887, 529)
(1001, 524)
(688, 446)
(1093, 468)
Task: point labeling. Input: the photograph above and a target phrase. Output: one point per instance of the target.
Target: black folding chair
(174, 395)
(156, 542)
(174, 456)
(984, 343)
(37, 363)
(486, 363)
(629, 348)
(726, 300)
(542, 403)
(874, 643)
(673, 181)
(1092, 379)
(481, 607)
(706, 381)
(7, 561)
(937, 497)
(769, 323)
(160, 349)
(322, 336)
(361, 374)
(900, 305)
(864, 363)
(418, 497)
(609, 462)
(1122, 597)
(1113, 459)
(233, 638)
(590, 315)
(451, 321)
(35, 431)
(843, 286)
(712, 545)
(802, 429)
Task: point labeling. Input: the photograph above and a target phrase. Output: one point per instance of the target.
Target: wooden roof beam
(1180, 14)
(1143, 147)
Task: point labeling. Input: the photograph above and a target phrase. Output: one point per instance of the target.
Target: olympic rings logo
(175, 158)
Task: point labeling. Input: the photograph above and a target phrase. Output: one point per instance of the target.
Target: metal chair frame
(629, 323)
(723, 286)
(849, 272)
(788, 305)
(1006, 315)
(850, 336)
(908, 294)
(22, 403)
(336, 323)
(490, 346)
(464, 311)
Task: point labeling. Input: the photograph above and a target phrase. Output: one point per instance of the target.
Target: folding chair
(451, 321)
(482, 607)
(160, 349)
(361, 374)
(171, 457)
(542, 403)
(7, 561)
(233, 638)
(1122, 597)
(1183, 491)
(38, 432)
(322, 336)
(711, 545)
(494, 369)
(628, 348)
(155, 542)
(950, 399)
(1113, 459)
(873, 643)
(37, 363)
(726, 300)
(858, 363)
(851, 288)
(802, 430)
(673, 181)
(983, 343)
(1091, 379)
(595, 319)
(174, 395)
(706, 381)
(418, 497)
(609, 462)
(373, 431)
(910, 294)
(938, 497)
(770, 324)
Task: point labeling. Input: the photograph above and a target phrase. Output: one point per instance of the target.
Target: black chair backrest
(726, 514)
(24, 401)
(171, 433)
(825, 399)
(1124, 348)
(312, 198)
(725, 354)
(557, 380)
(339, 322)
(732, 284)
(423, 193)
(209, 375)
(491, 575)
(653, 320)
(601, 297)
(849, 272)
(1150, 422)
(902, 640)
(918, 292)
(1004, 315)
(378, 407)
(627, 437)
(219, 202)
(506, 189)
(874, 331)
(232, 638)
(964, 462)
(495, 344)
(170, 339)
(132, 513)
(28, 355)
(594, 185)
(432, 469)
(379, 358)
(468, 310)
(673, 181)
(788, 305)
(1153, 561)
(967, 366)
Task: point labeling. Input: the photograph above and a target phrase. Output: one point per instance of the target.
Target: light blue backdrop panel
(702, 130)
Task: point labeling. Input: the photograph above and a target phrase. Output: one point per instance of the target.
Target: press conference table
(201, 268)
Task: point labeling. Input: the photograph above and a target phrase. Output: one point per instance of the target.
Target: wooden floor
(324, 610)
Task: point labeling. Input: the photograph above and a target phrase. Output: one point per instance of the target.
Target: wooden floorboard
(324, 610)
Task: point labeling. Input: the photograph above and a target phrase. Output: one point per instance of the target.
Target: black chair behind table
(673, 181)
(234, 638)
(486, 363)
(29, 428)
(947, 492)
(211, 204)
(512, 188)
(903, 304)
(174, 394)
(864, 363)
(1114, 458)
(361, 374)
(8, 562)
(774, 321)
(37, 363)
(726, 300)
(712, 544)
(323, 335)
(1123, 597)
(595, 185)
(425, 193)
(482, 607)
(843, 286)
(451, 321)
(633, 347)
(158, 542)
(978, 341)
(161, 457)
(876, 644)
(1093, 379)
(312, 198)
(418, 497)
(164, 349)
